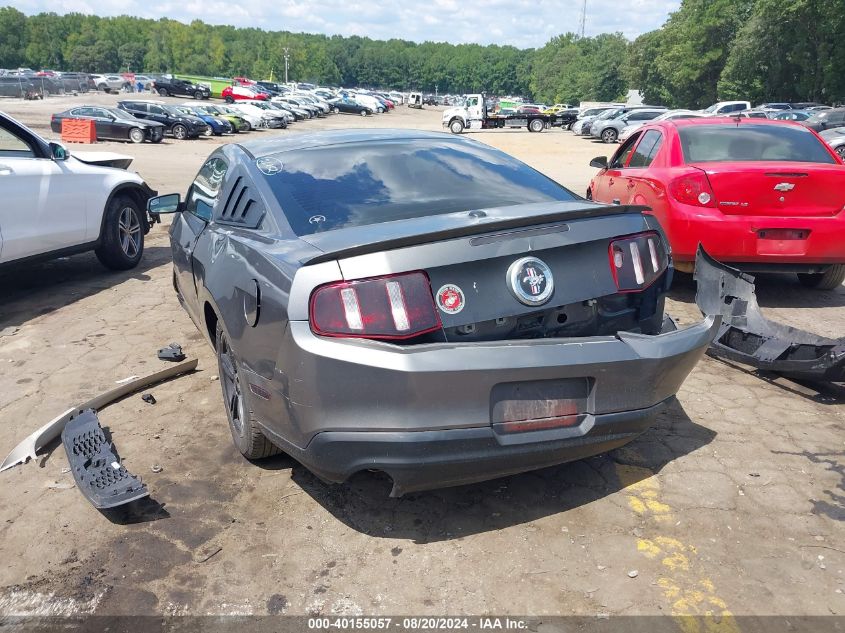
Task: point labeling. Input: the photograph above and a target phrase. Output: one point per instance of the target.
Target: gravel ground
(732, 503)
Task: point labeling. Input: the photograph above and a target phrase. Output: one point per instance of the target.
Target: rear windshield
(749, 142)
(325, 188)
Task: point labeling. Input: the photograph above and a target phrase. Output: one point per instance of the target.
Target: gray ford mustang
(423, 305)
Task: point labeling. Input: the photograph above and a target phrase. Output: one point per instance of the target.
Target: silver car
(423, 305)
(836, 139)
(609, 130)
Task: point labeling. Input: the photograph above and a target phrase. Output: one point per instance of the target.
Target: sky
(522, 23)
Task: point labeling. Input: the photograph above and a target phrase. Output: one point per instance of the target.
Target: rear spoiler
(402, 233)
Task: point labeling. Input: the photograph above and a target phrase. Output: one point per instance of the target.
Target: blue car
(217, 125)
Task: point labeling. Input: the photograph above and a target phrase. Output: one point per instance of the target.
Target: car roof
(259, 148)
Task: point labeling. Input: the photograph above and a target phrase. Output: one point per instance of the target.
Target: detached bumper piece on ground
(747, 337)
(95, 465)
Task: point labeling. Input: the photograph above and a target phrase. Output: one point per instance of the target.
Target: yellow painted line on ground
(696, 606)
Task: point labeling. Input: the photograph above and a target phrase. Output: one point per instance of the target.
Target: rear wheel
(229, 99)
(363, 113)
(536, 125)
(197, 95)
(830, 279)
(456, 126)
(841, 151)
(136, 135)
(162, 92)
(609, 135)
(336, 110)
(247, 435)
(122, 239)
(180, 132)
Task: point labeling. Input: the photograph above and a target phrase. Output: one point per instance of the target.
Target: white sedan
(666, 116)
(55, 204)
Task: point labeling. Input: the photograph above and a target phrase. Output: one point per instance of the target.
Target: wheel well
(210, 318)
(138, 195)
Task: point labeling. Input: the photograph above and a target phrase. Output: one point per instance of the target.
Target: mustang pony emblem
(530, 281)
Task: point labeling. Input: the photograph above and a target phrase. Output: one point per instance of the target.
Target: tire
(197, 95)
(122, 239)
(180, 132)
(456, 126)
(536, 125)
(136, 135)
(609, 135)
(103, 88)
(568, 126)
(229, 99)
(162, 92)
(158, 139)
(589, 195)
(363, 113)
(246, 127)
(246, 434)
(336, 110)
(841, 151)
(830, 279)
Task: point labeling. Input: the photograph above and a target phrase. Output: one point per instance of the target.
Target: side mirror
(599, 162)
(169, 203)
(59, 152)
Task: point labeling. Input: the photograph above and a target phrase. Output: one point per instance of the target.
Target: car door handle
(631, 184)
(5, 170)
(611, 181)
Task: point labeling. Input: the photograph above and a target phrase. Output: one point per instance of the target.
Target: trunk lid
(776, 188)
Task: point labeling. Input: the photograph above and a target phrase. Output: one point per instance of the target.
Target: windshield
(607, 114)
(749, 142)
(711, 108)
(357, 184)
(175, 110)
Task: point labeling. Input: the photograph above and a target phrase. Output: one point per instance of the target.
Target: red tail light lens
(693, 189)
(637, 261)
(392, 307)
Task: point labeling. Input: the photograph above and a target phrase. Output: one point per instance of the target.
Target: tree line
(762, 50)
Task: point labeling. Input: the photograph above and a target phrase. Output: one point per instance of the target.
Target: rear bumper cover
(431, 415)
(746, 239)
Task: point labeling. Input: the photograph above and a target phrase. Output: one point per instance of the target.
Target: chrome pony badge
(450, 299)
(530, 281)
(784, 186)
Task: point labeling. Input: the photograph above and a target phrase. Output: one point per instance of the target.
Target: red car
(231, 94)
(762, 195)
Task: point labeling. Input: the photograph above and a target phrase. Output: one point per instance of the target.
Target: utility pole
(287, 59)
(583, 19)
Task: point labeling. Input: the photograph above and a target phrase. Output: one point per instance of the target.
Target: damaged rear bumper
(747, 337)
(445, 414)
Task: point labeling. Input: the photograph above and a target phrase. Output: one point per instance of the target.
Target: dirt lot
(734, 502)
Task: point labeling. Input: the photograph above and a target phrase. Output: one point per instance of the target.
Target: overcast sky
(523, 23)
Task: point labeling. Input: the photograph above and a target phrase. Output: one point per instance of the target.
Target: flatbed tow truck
(473, 115)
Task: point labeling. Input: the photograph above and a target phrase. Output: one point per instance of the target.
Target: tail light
(637, 261)
(693, 189)
(391, 307)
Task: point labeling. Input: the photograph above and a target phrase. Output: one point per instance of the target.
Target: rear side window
(357, 184)
(646, 149)
(751, 142)
(205, 188)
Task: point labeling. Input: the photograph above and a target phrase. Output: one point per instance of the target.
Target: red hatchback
(765, 196)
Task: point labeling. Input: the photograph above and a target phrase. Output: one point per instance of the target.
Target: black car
(178, 124)
(425, 306)
(18, 86)
(826, 119)
(170, 86)
(112, 124)
(77, 82)
(270, 87)
(348, 106)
